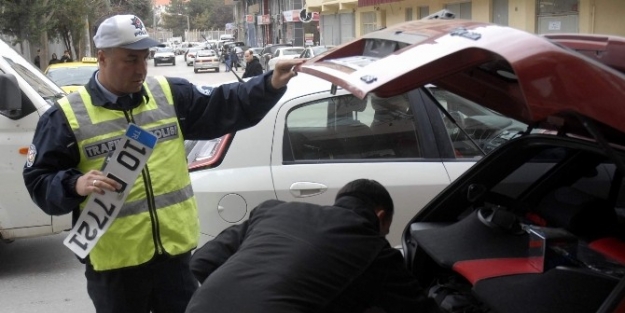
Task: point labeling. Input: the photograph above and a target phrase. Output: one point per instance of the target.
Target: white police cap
(123, 31)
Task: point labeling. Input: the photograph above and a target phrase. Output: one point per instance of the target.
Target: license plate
(128, 160)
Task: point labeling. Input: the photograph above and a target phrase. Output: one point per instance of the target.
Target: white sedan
(312, 142)
(284, 53)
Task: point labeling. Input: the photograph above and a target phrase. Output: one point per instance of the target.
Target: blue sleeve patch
(205, 90)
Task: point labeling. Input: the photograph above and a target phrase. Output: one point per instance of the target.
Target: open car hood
(520, 75)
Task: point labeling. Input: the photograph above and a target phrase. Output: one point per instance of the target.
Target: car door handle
(303, 190)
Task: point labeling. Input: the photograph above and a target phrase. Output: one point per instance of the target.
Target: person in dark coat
(302, 257)
(37, 60)
(252, 67)
(54, 59)
(228, 61)
(66, 57)
(234, 58)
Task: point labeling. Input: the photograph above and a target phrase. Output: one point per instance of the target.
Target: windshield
(36, 80)
(292, 51)
(165, 50)
(71, 76)
(206, 53)
(319, 49)
(15, 64)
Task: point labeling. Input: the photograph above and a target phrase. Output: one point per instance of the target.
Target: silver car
(206, 60)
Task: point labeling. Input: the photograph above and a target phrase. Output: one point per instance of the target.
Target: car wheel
(155, 64)
(174, 64)
(217, 70)
(195, 70)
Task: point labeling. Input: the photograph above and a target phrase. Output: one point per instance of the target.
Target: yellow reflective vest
(160, 213)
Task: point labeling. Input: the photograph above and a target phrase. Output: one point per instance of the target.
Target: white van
(25, 94)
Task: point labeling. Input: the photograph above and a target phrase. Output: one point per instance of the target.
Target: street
(41, 274)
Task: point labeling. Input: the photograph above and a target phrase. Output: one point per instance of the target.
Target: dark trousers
(163, 285)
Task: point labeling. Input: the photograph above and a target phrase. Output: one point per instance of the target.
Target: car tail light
(202, 154)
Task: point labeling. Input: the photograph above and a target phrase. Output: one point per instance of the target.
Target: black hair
(369, 190)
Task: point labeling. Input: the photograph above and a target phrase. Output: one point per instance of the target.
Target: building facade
(262, 22)
(343, 20)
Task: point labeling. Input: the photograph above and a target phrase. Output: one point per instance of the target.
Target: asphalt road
(41, 274)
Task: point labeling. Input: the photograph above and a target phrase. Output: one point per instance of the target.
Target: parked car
(313, 51)
(164, 55)
(72, 75)
(190, 55)
(256, 51)
(284, 53)
(538, 224)
(206, 60)
(313, 142)
(267, 53)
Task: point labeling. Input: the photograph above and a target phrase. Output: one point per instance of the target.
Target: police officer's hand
(95, 181)
(284, 71)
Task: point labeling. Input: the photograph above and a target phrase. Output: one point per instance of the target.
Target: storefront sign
(263, 19)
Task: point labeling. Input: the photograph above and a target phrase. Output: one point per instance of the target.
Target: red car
(538, 224)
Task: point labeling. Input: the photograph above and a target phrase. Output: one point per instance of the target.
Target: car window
(71, 76)
(348, 128)
(486, 128)
(206, 53)
(319, 50)
(291, 51)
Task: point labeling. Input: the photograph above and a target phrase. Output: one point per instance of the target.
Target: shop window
(557, 7)
(423, 11)
(368, 22)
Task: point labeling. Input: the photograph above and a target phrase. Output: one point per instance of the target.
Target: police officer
(140, 263)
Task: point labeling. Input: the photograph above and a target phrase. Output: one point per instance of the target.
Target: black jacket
(253, 68)
(300, 257)
(203, 113)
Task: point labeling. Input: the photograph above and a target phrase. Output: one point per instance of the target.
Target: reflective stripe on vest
(130, 240)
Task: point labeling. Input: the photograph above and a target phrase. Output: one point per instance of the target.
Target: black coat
(253, 68)
(300, 257)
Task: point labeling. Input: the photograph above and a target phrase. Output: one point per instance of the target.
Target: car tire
(174, 64)
(195, 70)
(155, 64)
(217, 70)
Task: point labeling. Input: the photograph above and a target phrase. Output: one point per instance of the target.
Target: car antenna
(237, 76)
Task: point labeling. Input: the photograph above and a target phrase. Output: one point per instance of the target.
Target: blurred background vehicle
(267, 53)
(72, 75)
(190, 55)
(206, 59)
(284, 53)
(313, 51)
(238, 46)
(164, 55)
